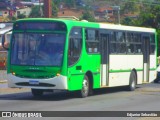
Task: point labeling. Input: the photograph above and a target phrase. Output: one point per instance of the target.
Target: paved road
(144, 98)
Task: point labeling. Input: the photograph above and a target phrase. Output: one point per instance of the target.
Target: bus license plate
(33, 82)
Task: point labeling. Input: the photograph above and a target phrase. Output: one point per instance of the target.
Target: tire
(37, 92)
(132, 81)
(84, 92)
(156, 81)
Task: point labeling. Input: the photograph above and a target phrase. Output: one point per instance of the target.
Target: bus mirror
(6, 40)
(5, 45)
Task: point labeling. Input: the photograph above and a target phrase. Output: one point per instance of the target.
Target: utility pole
(117, 9)
(40, 9)
(47, 8)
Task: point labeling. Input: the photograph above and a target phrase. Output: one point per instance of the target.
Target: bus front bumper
(58, 82)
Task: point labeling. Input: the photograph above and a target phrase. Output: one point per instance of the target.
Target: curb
(3, 81)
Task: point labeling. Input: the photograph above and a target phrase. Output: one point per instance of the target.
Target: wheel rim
(85, 86)
(133, 84)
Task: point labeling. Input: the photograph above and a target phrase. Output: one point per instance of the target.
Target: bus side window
(138, 43)
(130, 48)
(133, 43)
(152, 44)
(113, 43)
(113, 48)
(121, 42)
(92, 40)
(75, 46)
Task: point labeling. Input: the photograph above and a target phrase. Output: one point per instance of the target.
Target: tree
(150, 17)
(70, 3)
(13, 18)
(21, 16)
(128, 21)
(55, 8)
(87, 15)
(130, 7)
(35, 13)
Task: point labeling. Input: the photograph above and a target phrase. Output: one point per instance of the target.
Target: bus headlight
(13, 73)
(58, 74)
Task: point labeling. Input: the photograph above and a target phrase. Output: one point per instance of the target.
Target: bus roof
(66, 21)
(93, 24)
(127, 28)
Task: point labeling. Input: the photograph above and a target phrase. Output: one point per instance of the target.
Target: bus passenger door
(104, 46)
(146, 58)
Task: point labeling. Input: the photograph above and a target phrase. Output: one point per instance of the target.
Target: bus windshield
(37, 49)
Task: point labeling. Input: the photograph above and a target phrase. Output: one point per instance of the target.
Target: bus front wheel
(37, 92)
(132, 81)
(84, 92)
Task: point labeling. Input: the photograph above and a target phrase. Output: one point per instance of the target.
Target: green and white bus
(56, 54)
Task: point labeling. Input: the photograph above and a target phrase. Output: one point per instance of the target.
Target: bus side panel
(76, 73)
(96, 80)
(118, 79)
(139, 77)
(93, 65)
(75, 82)
(152, 75)
(121, 67)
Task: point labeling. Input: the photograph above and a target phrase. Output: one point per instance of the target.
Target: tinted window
(37, 49)
(152, 44)
(92, 40)
(121, 42)
(118, 42)
(75, 45)
(57, 26)
(133, 43)
(113, 43)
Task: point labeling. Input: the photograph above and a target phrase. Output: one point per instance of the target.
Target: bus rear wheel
(132, 81)
(37, 92)
(84, 92)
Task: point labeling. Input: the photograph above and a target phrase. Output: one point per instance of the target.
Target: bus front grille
(35, 85)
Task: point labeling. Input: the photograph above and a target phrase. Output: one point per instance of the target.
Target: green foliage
(129, 7)
(70, 3)
(12, 18)
(55, 8)
(128, 21)
(146, 19)
(21, 16)
(88, 16)
(35, 13)
(57, 2)
(150, 17)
